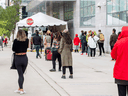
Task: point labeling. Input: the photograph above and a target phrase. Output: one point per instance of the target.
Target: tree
(11, 16)
(2, 29)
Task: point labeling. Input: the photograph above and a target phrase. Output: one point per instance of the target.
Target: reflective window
(117, 12)
(56, 10)
(68, 10)
(87, 13)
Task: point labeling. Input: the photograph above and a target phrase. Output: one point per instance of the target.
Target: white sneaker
(22, 92)
(17, 91)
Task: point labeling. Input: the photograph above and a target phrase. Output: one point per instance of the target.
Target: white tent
(40, 19)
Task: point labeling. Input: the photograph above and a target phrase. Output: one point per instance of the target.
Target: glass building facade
(26, 1)
(56, 10)
(117, 12)
(40, 8)
(87, 13)
(68, 11)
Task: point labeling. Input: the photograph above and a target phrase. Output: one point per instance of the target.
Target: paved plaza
(92, 77)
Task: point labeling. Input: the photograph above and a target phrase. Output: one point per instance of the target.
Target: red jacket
(5, 40)
(76, 40)
(120, 53)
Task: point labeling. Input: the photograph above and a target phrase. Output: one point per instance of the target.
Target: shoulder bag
(13, 61)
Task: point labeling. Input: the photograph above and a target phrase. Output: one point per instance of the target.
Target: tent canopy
(41, 19)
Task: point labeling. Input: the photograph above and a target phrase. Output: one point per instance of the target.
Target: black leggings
(70, 69)
(101, 47)
(122, 89)
(21, 64)
(93, 51)
(56, 55)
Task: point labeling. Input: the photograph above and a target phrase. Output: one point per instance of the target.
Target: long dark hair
(58, 36)
(67, 38)
(119, 33)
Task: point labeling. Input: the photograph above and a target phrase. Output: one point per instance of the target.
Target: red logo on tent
(30, 21)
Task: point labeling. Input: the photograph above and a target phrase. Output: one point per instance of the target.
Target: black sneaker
(63, 77)
(59, 69)
(71, 76)
(52, 70)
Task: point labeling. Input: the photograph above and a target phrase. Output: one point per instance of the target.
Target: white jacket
(92, 41)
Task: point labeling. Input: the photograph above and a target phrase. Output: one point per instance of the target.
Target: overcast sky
(2, 3)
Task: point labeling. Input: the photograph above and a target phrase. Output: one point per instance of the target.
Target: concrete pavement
(92, 77)
(34, 84)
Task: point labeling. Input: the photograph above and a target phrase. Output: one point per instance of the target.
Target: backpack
(101, 37)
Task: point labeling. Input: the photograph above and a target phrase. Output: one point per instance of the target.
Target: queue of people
(61, 46)
(89, 42)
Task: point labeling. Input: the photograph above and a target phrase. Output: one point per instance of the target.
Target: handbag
(13, 62)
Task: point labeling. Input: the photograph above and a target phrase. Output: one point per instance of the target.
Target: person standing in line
(47, 41)
(37, 43)
(92, 41)
(120, 54)
(52, 35)
(65, 50)
(89, 53)
(113, 39)
(76, 42)
(20, 46)
(84, 43)
(81, 38)
(32, 45)
(55, 54)
(101, 42)
(5, 41)
(1, 42)
(41, 35)
(119, 35)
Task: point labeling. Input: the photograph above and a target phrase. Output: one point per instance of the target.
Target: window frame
(119, 25)
(89, 15)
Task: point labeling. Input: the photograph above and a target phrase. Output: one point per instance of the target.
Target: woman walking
(92, 41)
(76, 42)
(20, 46)
(66, 53)
(55, 54)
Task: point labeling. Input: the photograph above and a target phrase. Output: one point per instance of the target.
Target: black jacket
(113, 39)
(37, 40)
(83, 39)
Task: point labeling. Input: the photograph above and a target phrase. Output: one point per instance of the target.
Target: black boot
(75, 50)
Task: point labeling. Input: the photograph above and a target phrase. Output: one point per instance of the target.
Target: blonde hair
(21, 35)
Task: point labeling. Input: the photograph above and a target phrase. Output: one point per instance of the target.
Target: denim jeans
(84, 47)
(89, 53)
(76, 47)
(37, 47)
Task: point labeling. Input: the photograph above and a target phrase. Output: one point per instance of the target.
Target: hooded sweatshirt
(120, 53)
(76, 40)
